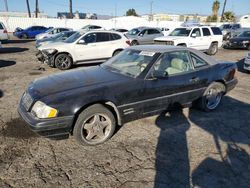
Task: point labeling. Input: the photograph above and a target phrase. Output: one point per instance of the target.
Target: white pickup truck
(203, 38)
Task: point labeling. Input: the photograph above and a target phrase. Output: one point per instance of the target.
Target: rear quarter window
(216, 31)
(115, 36)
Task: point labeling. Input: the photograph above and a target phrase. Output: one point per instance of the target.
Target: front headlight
(43, 111)
(50, 51)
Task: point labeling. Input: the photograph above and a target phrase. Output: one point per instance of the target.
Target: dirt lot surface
(186, 148)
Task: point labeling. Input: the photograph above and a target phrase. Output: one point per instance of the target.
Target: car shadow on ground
(1, 93)
(229, 123)
(17, 41)
(4, 63)
(240, 65)
(16, 128)
(7, 50)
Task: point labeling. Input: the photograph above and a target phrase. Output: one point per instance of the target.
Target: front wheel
(63, 62)
(134, 43)
(213, 49)
(25, 36)
(212, 97)
(95, 125)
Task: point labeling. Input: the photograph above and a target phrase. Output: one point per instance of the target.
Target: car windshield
(73, 37)
(129, 62)
(179, 32)
(133, 32)
(245, 34)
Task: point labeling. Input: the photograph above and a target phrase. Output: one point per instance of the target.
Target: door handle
(194, 79)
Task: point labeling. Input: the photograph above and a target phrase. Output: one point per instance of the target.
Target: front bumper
(231, 84)
(238, 45)
(56, 128)
(46, 58)
(247, 64)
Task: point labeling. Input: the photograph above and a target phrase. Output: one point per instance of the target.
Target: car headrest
(177, 64)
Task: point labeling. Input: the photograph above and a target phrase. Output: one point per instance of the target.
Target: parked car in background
(141, 81)
(231, 30)
(3, 33)
(204, 38)
(241, 41)
(165, 31)
(55, 38)
(92, 27)
(119, 30)
(143, 35)
(51, 32)
(85, 46)
(30, 32)
(247, 63)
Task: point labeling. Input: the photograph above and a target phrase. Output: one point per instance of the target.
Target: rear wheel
(63, 62)
(134, 43)
(95, 125)
(213, 49)
(25, 36)
(211, 97)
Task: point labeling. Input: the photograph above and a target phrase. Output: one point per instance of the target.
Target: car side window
(102, 37)
(198, 62)
(197, 32)
(90, 38)
(153, 31)
(1, 27)
(115, 36)
(174, 63)
(206, 32)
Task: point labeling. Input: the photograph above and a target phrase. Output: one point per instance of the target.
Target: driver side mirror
(82, 41)
(193, 35)
(159, 74)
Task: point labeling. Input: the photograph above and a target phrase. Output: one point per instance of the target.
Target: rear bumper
(231, 84)
(56, 128)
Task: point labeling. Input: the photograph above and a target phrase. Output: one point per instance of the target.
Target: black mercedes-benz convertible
(141, 81)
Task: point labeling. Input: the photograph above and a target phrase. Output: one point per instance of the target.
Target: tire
(25, 36)
(183, 45)
(134, 43)
(211, 97)
(63, 62)
(95, 125)
(116, 52)
(213, 49)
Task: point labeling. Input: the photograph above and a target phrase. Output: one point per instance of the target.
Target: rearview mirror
(193, 35)
(81, 41)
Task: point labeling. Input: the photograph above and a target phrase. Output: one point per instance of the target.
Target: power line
(6, 6)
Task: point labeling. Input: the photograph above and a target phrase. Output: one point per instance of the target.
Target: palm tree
(222, 14)
(216, 7)
(28, 7)
(70, 9)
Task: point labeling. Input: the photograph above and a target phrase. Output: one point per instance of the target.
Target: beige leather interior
(177, 66)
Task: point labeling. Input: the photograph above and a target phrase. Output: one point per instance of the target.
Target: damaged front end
(46, 56)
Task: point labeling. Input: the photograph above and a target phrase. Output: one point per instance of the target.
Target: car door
(196, 39)
(154, 33)
(181, 84)
(207, 37)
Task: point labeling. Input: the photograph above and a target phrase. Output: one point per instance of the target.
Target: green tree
(229, 16)
(131, 12)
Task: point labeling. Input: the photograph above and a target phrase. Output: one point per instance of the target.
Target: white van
(3, 33)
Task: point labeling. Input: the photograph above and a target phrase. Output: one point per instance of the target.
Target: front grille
(164, 42)
(27, 101)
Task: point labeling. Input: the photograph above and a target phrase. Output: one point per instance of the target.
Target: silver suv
(143, 35)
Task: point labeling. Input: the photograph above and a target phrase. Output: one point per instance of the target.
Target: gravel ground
(186, 148)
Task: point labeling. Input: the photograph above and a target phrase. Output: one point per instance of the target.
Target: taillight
(5, 31)
(128, 42)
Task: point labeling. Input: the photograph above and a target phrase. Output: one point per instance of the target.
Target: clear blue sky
(51, 7)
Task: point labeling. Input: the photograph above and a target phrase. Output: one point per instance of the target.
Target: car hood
(239, 39)
(74, 79)
(169, 38)
(53, 45)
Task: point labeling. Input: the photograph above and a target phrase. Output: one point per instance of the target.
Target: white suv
(3, 33)
(203, 38)
(83, 46)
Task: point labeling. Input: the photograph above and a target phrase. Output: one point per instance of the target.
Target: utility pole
(37, 9)
(223, 10)
(70, 9)
(6, 5)
(151, 11)
(28, 7)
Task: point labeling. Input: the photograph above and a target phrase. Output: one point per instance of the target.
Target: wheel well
(222, 82)
(117, 50)
(182, 44)
(214, 42)
(108, 104)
